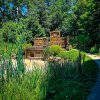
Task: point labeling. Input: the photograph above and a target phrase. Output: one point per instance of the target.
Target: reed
(38, 84)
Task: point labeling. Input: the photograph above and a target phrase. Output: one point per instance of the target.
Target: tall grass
(59, 72)
(38, 84)
(31, 86)
(15, 81)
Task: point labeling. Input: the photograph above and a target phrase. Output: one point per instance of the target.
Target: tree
(11, 30)
(11, 10)
(74, 17)
(84, 20)
(81, 41)
(57, 14)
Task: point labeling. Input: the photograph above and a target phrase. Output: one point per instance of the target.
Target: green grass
(72, 54)
(78, 89)
(56, 83)
(29, 86)
(15, 83)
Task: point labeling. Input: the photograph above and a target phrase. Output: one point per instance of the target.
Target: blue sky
(11, 5)
(23, 8)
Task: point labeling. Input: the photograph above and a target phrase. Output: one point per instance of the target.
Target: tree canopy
(78, 18)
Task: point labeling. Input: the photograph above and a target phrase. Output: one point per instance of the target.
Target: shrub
(94, 50)
(26, 45)
(63, 54)
(71, 54)
(53, 50)
(57, 51)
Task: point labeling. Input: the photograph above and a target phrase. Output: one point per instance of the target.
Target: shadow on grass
(62, 85)
(90, 69)
(74, 88)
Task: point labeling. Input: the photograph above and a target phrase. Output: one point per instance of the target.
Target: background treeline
(78, 18)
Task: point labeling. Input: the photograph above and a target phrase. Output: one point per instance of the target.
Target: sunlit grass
(56, 81)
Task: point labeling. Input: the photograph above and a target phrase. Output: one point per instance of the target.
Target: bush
(53, 50)
(63, 54)
(26, 45)
(72, 54)
(57, 51)
(94, 50)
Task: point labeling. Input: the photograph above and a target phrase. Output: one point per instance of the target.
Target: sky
(24, 9)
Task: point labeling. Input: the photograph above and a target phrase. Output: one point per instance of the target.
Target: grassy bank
(58, 81)
(78, 89)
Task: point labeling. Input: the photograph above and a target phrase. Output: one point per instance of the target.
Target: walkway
(95, 91)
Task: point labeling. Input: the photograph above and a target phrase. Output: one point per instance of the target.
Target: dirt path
(95, 91)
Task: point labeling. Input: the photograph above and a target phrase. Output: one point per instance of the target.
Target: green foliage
(42, 16)
(94, 50)
(58, 14)
(57, 51)
(58, 72)
(26, 45)
(33, 25)
(12, 12)
(31, 85)
(1, 37)
(80, 41)
(71, 54)
(11, 30)
(53, 50)
(79, 18)
(63, 54)
(40, 84)
(5, 46)
(15, 81)
(71, 88)
(83, 21)
(72, 17)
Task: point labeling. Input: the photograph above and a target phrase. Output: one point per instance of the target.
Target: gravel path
(95, 91)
